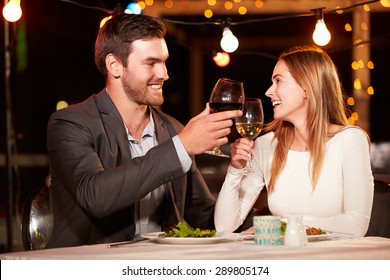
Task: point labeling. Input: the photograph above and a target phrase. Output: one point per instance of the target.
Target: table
(233, 247)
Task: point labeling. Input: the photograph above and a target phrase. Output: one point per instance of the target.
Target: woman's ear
(114, 67)
(304, 93)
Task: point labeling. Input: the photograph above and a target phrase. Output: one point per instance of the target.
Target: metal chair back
(37, 219)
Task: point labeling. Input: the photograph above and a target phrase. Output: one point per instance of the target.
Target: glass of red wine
(227, 95)
(250, 123)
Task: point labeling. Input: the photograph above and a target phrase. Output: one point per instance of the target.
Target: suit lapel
(161, 127)
(112, 119)
(176, 187)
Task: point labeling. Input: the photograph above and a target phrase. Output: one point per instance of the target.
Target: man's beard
(139, 93)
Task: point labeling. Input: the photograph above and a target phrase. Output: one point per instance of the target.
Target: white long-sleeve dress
(340, 202)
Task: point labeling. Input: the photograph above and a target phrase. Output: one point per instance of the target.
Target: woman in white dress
(310, 160)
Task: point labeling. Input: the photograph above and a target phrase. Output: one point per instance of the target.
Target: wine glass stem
(248, 167)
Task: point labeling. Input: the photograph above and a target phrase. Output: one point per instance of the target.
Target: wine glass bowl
(226, 95)
(250, 123)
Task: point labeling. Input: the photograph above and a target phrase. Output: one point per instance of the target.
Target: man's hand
(207, 131)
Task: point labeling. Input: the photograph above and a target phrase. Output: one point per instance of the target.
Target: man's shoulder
(83, 108)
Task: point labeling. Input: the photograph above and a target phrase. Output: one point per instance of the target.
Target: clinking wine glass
(250, 124)
(227, 95)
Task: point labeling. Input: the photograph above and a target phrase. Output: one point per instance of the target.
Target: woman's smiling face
(288, 98)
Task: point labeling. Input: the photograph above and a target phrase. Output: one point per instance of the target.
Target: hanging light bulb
(385, 3)
(229, 42)
(221, 59)
(133, 8)
(12, 11)
(104, 20)
(321, 35)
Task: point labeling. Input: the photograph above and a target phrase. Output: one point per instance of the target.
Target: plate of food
(316, 234)
(312, 233)
(182, 234)
(159, 238)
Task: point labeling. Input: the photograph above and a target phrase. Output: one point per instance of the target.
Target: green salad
(183, 230)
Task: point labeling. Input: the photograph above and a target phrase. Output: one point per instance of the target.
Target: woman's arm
(238, 194)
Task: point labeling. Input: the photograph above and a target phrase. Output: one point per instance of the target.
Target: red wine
(224, 106)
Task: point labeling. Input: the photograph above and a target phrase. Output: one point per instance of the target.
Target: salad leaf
(182, 230)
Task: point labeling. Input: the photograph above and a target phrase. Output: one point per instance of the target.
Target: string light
(12, 11)
(208, 13)
(61, 105)
(104, 20)
(385, 3)
(221, 59)
(321, 35)
(133, 8)
(229, 42)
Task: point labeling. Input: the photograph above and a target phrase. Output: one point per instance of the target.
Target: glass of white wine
(250, 124)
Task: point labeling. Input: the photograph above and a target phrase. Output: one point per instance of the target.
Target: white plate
(310, 238)
(326, 235)
(183, 240)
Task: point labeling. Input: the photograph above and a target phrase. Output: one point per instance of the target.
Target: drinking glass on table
(250, 124)
(227, 95)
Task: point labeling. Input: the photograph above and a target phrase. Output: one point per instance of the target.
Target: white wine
(249, 130)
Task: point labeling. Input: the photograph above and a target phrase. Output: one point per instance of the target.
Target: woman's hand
(241, 152)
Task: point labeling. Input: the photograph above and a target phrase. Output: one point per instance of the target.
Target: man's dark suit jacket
(95, 183)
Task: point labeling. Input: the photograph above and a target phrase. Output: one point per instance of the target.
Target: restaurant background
(52, 60)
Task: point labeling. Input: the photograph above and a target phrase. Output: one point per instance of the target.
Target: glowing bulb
(222, 59)
(104, 20)
(357, 84)
(385, 3)
(133, 8)
(229, 42)
(208, 13)
(61, 105)
(321, 35)
(12, 11)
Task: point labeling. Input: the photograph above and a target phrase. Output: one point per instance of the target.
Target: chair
(37, 219)
(380, 215)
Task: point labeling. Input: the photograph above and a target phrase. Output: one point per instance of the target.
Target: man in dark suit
(120, 167)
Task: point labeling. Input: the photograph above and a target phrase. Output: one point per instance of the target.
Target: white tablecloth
(364, 248)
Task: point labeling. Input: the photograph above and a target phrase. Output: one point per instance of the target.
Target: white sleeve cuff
(184, 158)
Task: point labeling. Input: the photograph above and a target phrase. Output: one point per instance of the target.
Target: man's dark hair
(118, 34)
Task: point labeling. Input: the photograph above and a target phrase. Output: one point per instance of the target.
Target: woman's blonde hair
(315, 72)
